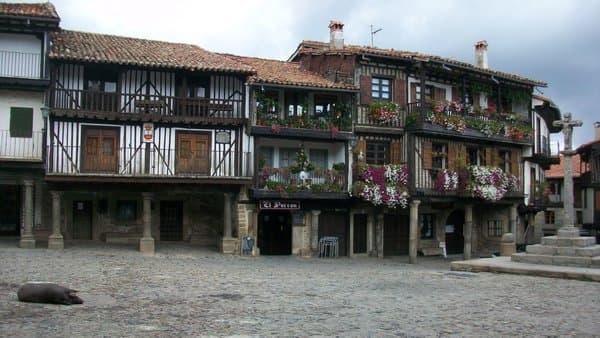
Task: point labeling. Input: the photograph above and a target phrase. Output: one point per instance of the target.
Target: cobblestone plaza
(185, 291)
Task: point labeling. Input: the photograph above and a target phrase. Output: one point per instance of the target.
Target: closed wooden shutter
(365, 89)
(400, 92)
(514, 162)
(455, 94)
(461, 161)
(452, 156)
(427, 155)
(21, 122)
(395, 152)
(439, 94)
(489, 156)
(361, 146)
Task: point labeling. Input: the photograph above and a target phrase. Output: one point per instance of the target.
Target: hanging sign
(223, 137)
(279, 205)
(148, 132)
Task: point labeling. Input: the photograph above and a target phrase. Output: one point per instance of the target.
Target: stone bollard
(508, 245)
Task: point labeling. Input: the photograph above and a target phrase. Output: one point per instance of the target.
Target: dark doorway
(82, 219)
(275, 233)
(455, 241)
(335, 224)
(10, 208)
(360, 233)
(171, 220)
(395, 235)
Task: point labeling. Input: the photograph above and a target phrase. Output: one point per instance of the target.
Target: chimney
(597, 129)
(481, 59)
(336, 34)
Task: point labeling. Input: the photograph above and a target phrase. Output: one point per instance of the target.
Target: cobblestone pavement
(185, 291)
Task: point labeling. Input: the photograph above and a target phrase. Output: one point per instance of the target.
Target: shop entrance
(10, 209)
(395, 235)
(455, 241)
(82, 219)
(275, 232)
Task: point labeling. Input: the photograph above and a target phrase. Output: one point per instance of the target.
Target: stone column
(314, 243)
(27, 241)
(370, 234)
(413, 239)
(147, 242)
(55, 240)
(468, 231)
(228, 243)
(379, 235)
(351, 236)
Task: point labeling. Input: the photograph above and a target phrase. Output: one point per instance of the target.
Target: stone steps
(565, 241)
(575, 261)
(553, 250)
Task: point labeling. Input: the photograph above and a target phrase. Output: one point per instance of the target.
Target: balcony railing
(160, 162)
(99, 102)
(485, 122)
(20, 65)
(21, 148)
(365, 119)
(318, 180)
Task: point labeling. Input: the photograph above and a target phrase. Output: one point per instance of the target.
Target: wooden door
(10, 210)
(100, 148)
(171, 220)
(82, 219)
(193, 153)
(360, 233)
(395, 235)
(275, 233)
(335, 224)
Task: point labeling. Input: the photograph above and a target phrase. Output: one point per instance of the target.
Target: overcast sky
(554, 41)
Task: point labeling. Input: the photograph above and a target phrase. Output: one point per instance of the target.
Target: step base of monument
(579, 241)
(575, 261)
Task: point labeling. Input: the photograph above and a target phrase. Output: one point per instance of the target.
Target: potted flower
(447, 180)
(383, 112)
(302, 165)
(385, 185)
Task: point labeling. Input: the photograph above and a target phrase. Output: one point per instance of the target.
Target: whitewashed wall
(20, 56)
(19, 147)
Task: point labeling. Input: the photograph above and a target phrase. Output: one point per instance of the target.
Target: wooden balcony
(317, 184)
(468, 124)
(304, 127)
(366, 122)
(115, 106)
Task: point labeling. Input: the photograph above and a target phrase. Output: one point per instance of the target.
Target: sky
(554, 41)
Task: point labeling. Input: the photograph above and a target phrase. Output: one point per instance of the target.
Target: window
(126, 210)
(267, 102)
(417, 93)
(439, 155)
(265, 157)
(295, 104)
(377, 153)
(324, 105)
(549, 217)
(475, 156)
(380, 88)
(504, 160)
(427, 225)
(21, 122)
(198, 87)
(495, 228)
(100, 79)
(318, 157)
(287, 157)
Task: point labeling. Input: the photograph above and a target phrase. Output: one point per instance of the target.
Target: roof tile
(41, 10)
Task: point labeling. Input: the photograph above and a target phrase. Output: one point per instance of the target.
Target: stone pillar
(379, 235)
(468, 231)
(413, 239)
(370, 234)
(228, 243)
(351, 236)
(314, 242)
(147, 242)
(55, 240)
(508, 245)
(27, 241)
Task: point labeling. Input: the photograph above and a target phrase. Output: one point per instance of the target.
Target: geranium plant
(447, 180)
(383, 112)
(385, 185)
(490, 183)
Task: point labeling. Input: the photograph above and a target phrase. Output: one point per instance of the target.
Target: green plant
(382, 111)
(340, 166)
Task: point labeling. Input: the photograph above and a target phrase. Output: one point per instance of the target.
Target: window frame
(21, 122)
(430, 218)
(441, 155)
(121, 207)
(377, 94)
(495, 228)
(292, 156)
(311, 155)
(504, 160)
(375, 158)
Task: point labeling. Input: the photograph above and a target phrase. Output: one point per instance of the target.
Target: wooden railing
(21, 148)
(318, 180)
(364, 118)
(99, 102)
(20, 65)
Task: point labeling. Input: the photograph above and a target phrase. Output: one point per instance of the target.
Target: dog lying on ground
(49, 293)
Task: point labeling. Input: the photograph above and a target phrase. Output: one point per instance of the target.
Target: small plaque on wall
(298, 217)
(223, 137)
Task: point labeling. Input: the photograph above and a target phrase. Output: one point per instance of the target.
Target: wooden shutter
(21, 122)
(439, 94)
(455, 94)
(514, 162)
(365, 89)
(427, 155)
(489, 156)
(395, 152)
(361, 146)
(400, 92)
(452, 155)
(413, 92)
(461, 161)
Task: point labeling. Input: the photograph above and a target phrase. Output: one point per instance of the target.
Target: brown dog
(50, 293)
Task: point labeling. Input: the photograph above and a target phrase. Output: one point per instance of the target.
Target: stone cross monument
(568, 228)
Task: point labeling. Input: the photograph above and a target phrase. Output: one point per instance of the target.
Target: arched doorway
(455, 242)
(275, 232)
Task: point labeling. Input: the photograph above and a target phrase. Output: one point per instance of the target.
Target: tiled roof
(40, 10)
(582, 148)
(317, 47)
(287, 73)
(557, 171)
(102, 48)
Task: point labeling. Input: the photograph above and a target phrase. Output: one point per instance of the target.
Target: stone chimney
(597, 129)
(336, 34)
(481, 59)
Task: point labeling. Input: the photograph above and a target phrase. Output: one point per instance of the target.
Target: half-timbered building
(24, 39)
(301, 128)
(462, 131)
(590, 184)
(146, 141)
